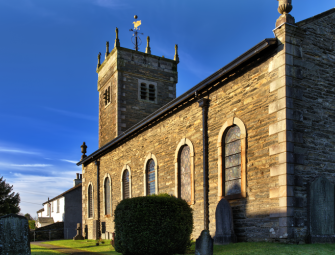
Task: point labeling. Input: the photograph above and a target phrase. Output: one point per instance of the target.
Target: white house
(65, 207)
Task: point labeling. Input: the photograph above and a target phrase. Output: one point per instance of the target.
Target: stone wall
(122, 70)
(244, 94)
(316, 141)
(73, 213)
(285, 98)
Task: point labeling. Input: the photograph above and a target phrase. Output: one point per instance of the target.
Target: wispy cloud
(35, 189)
(73, 114)
(113, 4)
(30, 165)
(194, 66)
(69, 161)
(17, 151)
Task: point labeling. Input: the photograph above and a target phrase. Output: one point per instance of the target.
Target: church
(259, 132)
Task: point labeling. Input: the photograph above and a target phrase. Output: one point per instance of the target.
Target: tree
(9, 201)
(28, 216)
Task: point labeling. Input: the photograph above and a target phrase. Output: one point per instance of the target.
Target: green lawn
(261, 248)
(38, 250)
(86, 245)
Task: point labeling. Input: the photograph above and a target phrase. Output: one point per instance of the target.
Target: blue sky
(48, 57)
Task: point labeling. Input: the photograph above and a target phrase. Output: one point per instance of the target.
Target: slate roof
(45, 220)
(40, 210)
(61, 195)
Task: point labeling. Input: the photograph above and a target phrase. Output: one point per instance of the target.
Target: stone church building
(270, 130)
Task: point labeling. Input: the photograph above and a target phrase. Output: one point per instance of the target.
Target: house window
(58, 205)
(185, 174)
(52, 206)
(151, 187)
(147, 91)
(48, 209)
(107, 197)
(125, 182)
(232, 162)
(90, 201)
(107, 96)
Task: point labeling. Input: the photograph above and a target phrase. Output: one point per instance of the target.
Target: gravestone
(14, 235)
(78, 236)
(224, 233)
(204, 244)
(321, 211)
(95, 230)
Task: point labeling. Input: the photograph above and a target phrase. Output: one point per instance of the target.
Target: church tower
(131, 86)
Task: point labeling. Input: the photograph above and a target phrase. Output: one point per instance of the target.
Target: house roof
(61, 195)
(45, 220)
(40, 210)
(182, 99)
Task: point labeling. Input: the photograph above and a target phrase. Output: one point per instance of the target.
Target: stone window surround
(185, 141)
(230, 122)
(153, 157)
(110, 192)
(125, 167)
(110, 96)
(140, 81)
(88, 199)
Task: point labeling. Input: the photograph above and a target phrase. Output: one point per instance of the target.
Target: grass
(86, 245)
(38, 250)
(261, 248)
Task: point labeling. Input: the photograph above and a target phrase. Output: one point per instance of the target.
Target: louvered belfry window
(185, 174)
(125, 180)
(107, 197)
(151, 177)
(232, 161)
(152, 92)
(143, 91)
(90, 202)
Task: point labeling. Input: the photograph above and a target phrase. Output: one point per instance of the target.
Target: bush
(31, 224)
(153, 225)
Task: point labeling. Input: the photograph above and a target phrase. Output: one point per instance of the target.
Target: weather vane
(136, 40)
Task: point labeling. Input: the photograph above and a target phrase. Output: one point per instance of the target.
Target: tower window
(152, 92)
(143, 91)
(147, 91)
(107, 96)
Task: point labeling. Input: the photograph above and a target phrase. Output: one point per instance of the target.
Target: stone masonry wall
(123, 69)
(244, 94)
(316, 81)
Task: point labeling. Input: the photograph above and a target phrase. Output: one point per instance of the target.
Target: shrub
(153, 225)
(31, 224)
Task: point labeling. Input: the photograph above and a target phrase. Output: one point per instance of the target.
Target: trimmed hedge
(153, 225)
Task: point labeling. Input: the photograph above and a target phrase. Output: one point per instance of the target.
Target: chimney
(77, 180)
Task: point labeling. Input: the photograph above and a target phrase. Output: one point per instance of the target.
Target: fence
(49, 234)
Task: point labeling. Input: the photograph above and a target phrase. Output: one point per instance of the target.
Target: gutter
(184, 97)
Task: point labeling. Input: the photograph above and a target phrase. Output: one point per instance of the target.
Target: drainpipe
(204, 103)
(97, 163)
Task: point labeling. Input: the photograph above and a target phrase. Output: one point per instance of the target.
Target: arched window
(151, 187)
(90, 201)
(107, 196)
(125, 181)
(231, 146)
(185, 174)
(232, 152)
